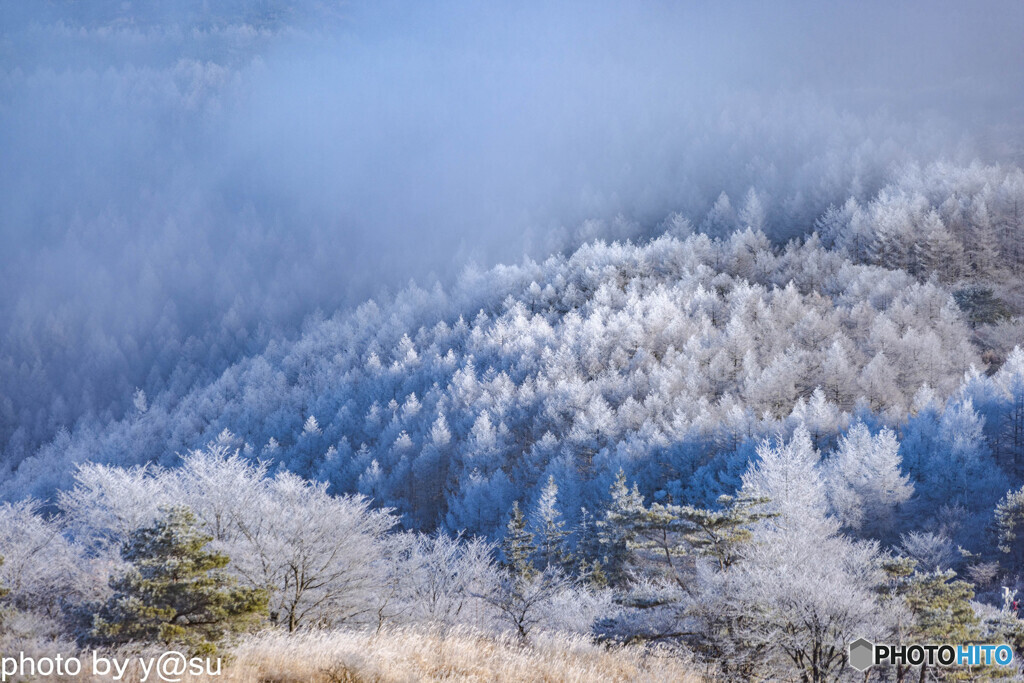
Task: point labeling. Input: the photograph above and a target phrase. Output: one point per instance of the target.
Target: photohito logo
(864, 654)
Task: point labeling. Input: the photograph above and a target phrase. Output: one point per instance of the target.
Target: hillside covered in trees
(613, 442)
(547, 343)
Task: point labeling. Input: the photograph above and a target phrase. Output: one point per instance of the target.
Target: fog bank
(180, 184)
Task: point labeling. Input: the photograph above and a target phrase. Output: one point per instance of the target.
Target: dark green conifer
(518, 546)
(941, 612)
(175, 591)
(721, 534)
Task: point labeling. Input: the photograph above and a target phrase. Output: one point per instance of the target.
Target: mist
(180, 186)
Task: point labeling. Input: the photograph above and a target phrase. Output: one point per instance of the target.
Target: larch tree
(525, 596)
(1008, 417)
(864, 480)
(814, 586)
(549, 530)
(1009, 527)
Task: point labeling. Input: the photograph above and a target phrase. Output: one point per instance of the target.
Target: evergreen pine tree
(940, 607)
(588, 551)
(176, 591)
(518, 546)
(671, 531)
(721, 534)
(616, 532)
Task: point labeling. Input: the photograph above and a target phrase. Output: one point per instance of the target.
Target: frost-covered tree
(722, 534)
(809, 583)
(947, 455)
(524, 601)
(526, 598)
(814, 593)
(616, 531)
(518, 546)
(441, 575)
(43, 570)
(786, 473)
(721, 219)
(752, 214)
(318, 556)
(107, 504)
(219, 485)
(932, 551)
(865, 484)
(549, 533)
(1005, 413)
(1009, 527)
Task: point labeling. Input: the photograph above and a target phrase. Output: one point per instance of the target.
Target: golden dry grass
(406, 655)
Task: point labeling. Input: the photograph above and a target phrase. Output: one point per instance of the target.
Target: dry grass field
(400, 656)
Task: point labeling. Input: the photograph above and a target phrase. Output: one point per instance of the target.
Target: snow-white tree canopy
(440, 403)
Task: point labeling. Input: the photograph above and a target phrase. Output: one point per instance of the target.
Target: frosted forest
(667, 342)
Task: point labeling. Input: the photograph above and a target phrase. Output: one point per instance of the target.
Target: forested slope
(666, 359)
(638, 340)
